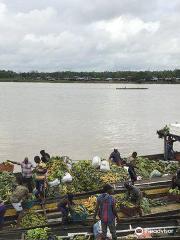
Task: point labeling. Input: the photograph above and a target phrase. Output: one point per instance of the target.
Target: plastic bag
(69, 166)
(66, 178)
(97, 229)
(96, 162)
(104, 166)
(56, 182)
(155, 173)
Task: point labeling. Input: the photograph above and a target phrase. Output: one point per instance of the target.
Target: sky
(89, 35)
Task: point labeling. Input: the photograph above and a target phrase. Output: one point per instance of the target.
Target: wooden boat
(128, 88)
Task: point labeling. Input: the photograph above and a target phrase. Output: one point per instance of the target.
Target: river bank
(83, 81)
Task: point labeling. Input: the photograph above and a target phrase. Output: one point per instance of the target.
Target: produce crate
(82, 216)
(9, 168)
(174, 197)
(130, 211)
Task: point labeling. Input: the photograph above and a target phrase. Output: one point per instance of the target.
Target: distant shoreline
(80, 81)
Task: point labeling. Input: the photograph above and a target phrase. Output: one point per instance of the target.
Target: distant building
(154, 79)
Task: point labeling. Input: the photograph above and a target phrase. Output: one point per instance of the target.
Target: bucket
(29, 204)
(82, 216)
(9, 168)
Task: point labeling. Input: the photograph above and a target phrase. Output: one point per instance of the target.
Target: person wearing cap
(116, 157)
(176, 180)
(2, 213)
(133, 193)
(16, 198)
(45, 156)
(131, 164)
(27, 171)
(106, 207)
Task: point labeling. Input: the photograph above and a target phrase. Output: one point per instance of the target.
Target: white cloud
(89, 35)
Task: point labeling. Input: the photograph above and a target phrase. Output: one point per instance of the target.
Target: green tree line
(134, 75)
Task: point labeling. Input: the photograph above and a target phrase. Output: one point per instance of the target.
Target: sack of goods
(96, 162)
(56, 182)
(97, 230)
(155, 173)
(66, 178)
(105, 166)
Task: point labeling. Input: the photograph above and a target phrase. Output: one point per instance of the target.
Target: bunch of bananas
(81, 237)
(78, 208)
(38, 234)
(7, 185)
(90, 204)
(56, 168)
(110, 178)
(32, 219)
(174, 191)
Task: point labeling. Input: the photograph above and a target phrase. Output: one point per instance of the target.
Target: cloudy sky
(89, 35)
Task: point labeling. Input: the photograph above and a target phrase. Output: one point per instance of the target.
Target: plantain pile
(90, 204)
(56, 168)
(146, 166)
(7, 163)
(175, 191)
(85, 178)
(32, 219)
(121, 173)
(79, 209)
(7, 185)
(82, 237)
(38, 234)
(110, 178)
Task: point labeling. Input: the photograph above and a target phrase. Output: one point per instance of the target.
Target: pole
(165, 146)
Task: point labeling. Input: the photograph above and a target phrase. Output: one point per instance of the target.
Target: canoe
(125, 88)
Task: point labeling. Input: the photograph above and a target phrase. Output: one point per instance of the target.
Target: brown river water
(84, 120)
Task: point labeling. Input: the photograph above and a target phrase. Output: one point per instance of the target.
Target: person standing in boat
(116, 157)
(27, 171)
(131, 164)
(45, 156)
(176, 180)
(40, 171)
(2, 213)
(169, 148)
(106, 206)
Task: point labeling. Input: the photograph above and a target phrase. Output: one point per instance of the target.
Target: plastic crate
(174, 197)
(9, 168)
(82, 216)
(130, 211)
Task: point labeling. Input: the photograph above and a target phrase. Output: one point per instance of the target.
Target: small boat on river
(128, 88)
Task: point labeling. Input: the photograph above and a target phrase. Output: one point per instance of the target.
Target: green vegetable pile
(32, 219)
(56, 168)
(146, 166)
(85, 178)
(175, 191)
(38, 234)
(7, 185)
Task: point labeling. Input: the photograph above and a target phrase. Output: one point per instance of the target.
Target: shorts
(40, 185)
(17, 206)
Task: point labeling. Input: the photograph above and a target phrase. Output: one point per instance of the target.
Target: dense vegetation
(132, 76)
